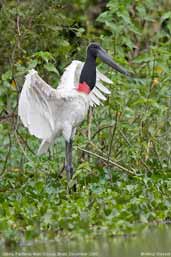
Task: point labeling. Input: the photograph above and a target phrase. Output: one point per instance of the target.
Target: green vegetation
(132, 128)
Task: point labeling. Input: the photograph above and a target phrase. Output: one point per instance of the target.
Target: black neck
(88, 73)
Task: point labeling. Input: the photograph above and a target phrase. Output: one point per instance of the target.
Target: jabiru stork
(49, 113)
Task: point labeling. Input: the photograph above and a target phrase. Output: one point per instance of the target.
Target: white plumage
(49, 113)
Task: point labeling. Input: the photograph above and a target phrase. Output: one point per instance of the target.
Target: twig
(21, 147)
(156, 151)
(106, 160)
(90, 115)
(7, 117)
(59, 174)
(127, 141)
(18, 25)
(125, 138)
(100, 129)
(7, 156)
(113, 133)
(25, 142)
(146, 107)
(145, 165)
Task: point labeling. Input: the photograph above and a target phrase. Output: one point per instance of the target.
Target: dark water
(156, 241)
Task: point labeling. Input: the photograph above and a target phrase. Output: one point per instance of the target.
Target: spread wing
(70, 80)
(38, 101)
(37, 106)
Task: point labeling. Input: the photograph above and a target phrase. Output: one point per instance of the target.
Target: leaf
(7, 75)
(51, 67)
(46, 56)
(13, 84)
(166, 16)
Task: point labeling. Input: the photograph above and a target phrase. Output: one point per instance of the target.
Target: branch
(7, 156)
(18, 26)
(90, 116)
(106, 160)
(113, 133)
(100, 129)
(21, 147)
(25, 142)
(7, 117)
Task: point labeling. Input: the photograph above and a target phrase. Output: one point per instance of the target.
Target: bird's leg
(68, 160)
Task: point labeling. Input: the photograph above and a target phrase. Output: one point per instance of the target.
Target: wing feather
(71, 75)
(36, 106)
(94, 99)
(102, 88)
(102, 77)
(97, 94)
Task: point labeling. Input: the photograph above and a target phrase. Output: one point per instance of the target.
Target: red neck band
(84, 88)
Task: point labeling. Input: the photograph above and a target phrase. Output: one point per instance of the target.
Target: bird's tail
(44, 146)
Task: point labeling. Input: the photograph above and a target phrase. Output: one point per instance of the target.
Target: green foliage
(34, 202)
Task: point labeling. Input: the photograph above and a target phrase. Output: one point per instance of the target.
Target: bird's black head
(88, 73)
(93, 49)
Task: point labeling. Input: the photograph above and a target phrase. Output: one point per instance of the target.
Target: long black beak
(108, 60)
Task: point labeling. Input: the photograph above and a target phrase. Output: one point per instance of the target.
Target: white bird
(49, 113)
